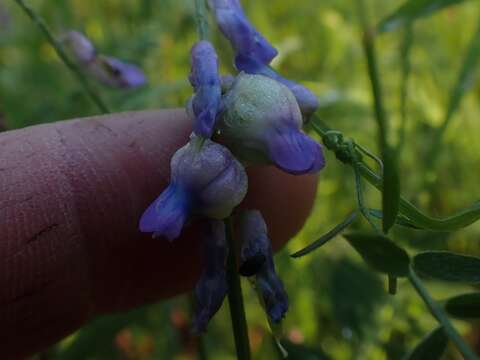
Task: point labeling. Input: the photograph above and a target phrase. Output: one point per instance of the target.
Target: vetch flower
(236, 27)
(205, 80)
(212, 287)
(261, 123)
(257, 259)
(253, 53)
(307, 100)
(205, 180)
(255, 243)
(107, 70)
(116, 73)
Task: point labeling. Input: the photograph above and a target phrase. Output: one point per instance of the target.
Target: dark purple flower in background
(206, 82)
(253, 53)
(212, 287)
(116, 73)
(205, 180)
(236, 27)
(107, 70)
(257, 259)
(261, 123)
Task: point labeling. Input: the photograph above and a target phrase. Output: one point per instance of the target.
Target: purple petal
(307, 101)
(212, 287)
(236, 27)
(273, 294)
(205, 80)
(167, 214)
(116, 73)
(255, 248)
(294, 152)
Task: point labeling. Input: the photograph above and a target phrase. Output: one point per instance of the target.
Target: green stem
(406, 71)
(42, 26)
(441, 317)
(235, 298)
(201, 19)
(454, 222)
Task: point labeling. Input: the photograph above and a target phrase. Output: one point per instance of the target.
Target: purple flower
(253, 53)
(257, 259)
(212, 287)
(116, 73)
(255, 243)
(107, 70)
(261, 123)
(205, 180)
(245, 39)
(205, 80)
(307, 101)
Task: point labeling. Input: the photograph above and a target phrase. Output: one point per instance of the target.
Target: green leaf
(380, 253)
(327, 237)
(391, 188)
(466, 306)
(447, 266)
(431, 347)
(400, 220)
(412, 10)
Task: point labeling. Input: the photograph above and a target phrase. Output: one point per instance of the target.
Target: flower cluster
(107, 70)
(257, 117)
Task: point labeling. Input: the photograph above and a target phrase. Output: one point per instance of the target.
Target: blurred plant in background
(340, 309)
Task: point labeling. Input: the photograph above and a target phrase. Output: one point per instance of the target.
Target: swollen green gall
(261, 123)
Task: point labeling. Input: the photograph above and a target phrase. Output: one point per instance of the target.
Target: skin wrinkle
(93, 183)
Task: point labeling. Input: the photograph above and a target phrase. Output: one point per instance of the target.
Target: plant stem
(42, 26)
(201, 19)
(441, 317)
(235, 298)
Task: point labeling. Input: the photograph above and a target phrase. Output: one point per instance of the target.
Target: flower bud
(79, 47)
(205, 180)
(307, 100)
(205, 80)
(212, 287)
(105, 69)
(245, 39)
(257, 259)
(255, 242)
(261, 123)
(116, 73)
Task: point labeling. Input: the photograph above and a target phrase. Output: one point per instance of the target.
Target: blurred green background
(339, 308)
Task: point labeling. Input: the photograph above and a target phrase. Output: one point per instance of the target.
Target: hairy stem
(201, 19)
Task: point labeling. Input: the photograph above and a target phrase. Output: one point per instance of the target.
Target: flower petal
(205, 80)
(212, 287)
(255, 243)
(243, 36)
(294, 152)
(116, 73)
(167, 214)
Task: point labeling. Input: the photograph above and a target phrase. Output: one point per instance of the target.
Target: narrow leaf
(400, 220)
(380, 253)
(412, 10)
(466, 306)
(447, 266)
(391, 188)
(327, 237)
(431, 347)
